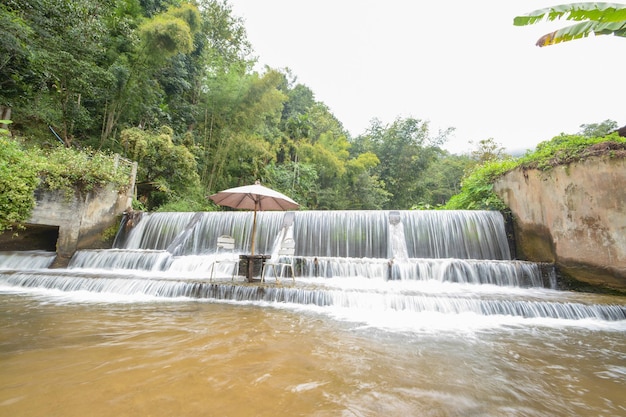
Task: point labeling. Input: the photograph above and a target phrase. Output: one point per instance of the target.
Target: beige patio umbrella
(254, 197)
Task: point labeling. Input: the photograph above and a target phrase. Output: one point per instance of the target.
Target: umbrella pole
(251, 259)
(256, 206)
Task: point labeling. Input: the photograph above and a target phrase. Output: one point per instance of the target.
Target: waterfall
(197, 233)
(157, 230)
(143, 260)
(456, 234)
(397, 240)
(502, 273)
(454, 246)
(447, 304)
(26, 259)
(446, 262)
(352, 234)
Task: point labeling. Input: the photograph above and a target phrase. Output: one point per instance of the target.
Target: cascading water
(26, 259)
(447, 262)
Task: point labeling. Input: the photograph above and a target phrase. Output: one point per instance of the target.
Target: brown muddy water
(200, 358)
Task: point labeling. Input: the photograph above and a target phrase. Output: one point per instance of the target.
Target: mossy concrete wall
(574, 216)
(81, 219)
(66, 224)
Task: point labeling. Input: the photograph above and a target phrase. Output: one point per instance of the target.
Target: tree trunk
(5, 114)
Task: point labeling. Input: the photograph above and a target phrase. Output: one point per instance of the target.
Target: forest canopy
(172, 85)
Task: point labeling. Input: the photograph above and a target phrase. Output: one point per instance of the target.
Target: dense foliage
(564, 149)
(18, 180)
(477, 187)
(172, 85)
(68, 170)
(71, 170)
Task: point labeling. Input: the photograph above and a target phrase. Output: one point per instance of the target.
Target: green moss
(108, 235)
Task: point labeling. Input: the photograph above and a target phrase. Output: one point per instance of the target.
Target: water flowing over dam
(395, 261)
(427, 275)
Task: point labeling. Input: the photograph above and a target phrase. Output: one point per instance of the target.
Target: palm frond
(582, 30)
(598, 12)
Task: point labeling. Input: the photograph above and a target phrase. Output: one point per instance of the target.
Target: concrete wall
(69, 224)
(574, 216)
(81, 220)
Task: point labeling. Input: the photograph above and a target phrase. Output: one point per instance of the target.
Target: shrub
(69, 170)
(565, 149)
(72, 170)
(18, 181)
(477, 187)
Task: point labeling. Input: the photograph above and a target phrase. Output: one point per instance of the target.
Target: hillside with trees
(172, 85)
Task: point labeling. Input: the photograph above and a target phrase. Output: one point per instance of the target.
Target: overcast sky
(454, 63)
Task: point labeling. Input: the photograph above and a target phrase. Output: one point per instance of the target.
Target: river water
(66, 357)
(133, 342)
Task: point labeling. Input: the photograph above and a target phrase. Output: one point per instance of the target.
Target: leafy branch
(594, 18)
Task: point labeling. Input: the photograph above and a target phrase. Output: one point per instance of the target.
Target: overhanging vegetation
(477, 188)
(69, 170)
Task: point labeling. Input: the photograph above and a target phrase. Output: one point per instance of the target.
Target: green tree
(247, 160)
(152, 69)
(488, 150)
(166, 171)
(61, 78)
(361, 189)
(300, 99)
(170, 33)
(237, 105)
(594, 18)
(406, 150)
(598, 130)
(313, 140)
(444, 179)
(299, 181)
(15, 57)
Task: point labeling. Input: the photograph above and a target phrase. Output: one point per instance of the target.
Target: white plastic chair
(225, 243)
(284, 260)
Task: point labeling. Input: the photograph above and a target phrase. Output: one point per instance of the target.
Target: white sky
(454, 63)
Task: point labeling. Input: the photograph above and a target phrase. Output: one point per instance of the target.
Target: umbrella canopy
(254, 197)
